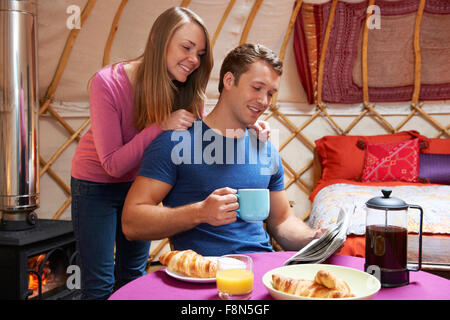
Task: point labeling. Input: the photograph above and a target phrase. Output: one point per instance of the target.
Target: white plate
(192, 279)
(362, 285)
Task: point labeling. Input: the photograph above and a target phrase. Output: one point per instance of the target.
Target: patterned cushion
(333, 153)
(398, 161)
(435, 168)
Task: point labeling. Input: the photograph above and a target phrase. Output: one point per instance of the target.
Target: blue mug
(254, 204)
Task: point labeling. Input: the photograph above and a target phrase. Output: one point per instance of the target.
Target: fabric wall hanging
(390, 51)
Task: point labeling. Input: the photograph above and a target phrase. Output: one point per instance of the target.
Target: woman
(131, 103)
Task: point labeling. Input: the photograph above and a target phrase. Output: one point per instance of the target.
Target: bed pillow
(436, 145)
(395, 161)
(341, 158)
(435, 168)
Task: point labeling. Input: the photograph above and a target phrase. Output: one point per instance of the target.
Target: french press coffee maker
(387, 237)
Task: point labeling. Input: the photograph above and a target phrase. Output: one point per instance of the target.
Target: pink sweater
(112, 148)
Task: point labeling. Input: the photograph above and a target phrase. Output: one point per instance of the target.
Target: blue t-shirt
(198, 161)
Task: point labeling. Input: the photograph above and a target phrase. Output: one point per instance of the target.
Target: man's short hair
(239, 59)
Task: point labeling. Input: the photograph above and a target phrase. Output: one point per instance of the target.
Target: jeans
(96, 216)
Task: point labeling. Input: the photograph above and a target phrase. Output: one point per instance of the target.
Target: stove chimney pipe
(19, 166)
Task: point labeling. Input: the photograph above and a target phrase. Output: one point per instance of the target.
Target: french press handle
(419, 266)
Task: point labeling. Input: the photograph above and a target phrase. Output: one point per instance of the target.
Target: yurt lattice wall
(295, 123)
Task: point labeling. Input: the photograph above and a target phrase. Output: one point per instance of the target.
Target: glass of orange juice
(234, 277)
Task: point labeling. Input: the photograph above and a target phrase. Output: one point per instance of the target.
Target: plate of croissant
(320, 281)
(188, 265)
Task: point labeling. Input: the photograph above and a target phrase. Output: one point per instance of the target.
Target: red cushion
(395, 161)
(341, 158)
(436, 145)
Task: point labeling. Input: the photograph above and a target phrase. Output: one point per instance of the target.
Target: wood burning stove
(34, 262)
(34, 254)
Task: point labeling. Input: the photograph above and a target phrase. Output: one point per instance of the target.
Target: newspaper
(320, 249)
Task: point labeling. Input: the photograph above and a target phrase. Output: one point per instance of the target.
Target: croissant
(328, 280)
(312, 289)
(189, 263)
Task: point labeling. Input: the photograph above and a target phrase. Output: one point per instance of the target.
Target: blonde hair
(155, 95)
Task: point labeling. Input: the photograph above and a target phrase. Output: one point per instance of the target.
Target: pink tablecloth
(160, 286)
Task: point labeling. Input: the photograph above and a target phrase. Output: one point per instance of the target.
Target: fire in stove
(45, 274)
(34, 263)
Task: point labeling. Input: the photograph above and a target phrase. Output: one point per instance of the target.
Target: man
(196, 173)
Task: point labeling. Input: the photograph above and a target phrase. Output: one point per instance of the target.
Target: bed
(354, 169)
